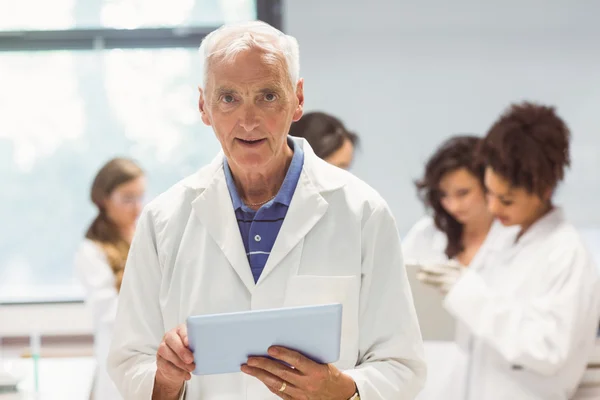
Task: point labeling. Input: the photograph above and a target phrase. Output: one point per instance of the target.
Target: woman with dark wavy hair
(117, 193)
(452, 190)
(531, 310)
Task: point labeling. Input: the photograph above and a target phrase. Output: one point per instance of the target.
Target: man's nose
(249, 119)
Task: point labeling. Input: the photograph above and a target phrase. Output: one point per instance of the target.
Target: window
(69, 104)
(19, 15)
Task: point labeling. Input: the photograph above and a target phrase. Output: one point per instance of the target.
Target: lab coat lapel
(215, 210)
(306, 209)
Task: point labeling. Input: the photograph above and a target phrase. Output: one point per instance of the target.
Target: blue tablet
(221, 343)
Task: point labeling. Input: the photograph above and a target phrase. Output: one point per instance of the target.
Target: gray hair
(231, 39)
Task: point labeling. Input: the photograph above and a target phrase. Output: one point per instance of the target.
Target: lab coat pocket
(304, 290)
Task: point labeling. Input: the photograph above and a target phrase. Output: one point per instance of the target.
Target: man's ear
(300, 96)
(202, 107)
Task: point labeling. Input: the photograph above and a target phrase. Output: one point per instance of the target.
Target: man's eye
(228, 98)
(270, 97)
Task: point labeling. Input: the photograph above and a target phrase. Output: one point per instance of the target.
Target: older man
(267, 224)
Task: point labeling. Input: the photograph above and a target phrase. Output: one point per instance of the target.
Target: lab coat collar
(214, 208)
(323, 176)
(543, 226)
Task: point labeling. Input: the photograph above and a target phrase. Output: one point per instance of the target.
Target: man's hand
(304, 379)
(174, 362)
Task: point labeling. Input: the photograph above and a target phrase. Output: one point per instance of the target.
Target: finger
(171, 371)
(294, 359)
(429, 276)
(433, 270)
(421, 276)
(424, 278)
(273, 383)
(276, 368)
(429, 279)
(284, 395)
(173, 340)
(182, 332)
(164, 351)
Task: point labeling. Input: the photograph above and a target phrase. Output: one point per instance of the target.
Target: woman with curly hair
(531, 309)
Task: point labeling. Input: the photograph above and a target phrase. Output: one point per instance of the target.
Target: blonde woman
(117, 192)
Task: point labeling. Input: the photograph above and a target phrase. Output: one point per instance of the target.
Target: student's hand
(306, 380)
(174, 363)
(441, 276)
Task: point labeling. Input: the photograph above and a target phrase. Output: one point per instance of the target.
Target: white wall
(405, 75)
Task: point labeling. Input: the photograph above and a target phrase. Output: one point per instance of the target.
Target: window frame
(269, 11)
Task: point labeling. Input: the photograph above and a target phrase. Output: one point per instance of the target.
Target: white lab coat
(92, 269)
(338, 243)
(531, 311)
(426, 244)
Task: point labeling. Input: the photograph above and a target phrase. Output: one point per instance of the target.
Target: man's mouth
(251, 141)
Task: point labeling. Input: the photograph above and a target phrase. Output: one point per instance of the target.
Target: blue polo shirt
(260, 228)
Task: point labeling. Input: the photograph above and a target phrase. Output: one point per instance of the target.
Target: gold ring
(283, 386)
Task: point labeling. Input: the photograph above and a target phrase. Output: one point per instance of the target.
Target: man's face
(251, 104)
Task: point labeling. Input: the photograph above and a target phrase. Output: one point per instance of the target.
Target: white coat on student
(98, 279)
(532, 308)
(525, 341)
(338, 243)
(425, 244)
(117, 192)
